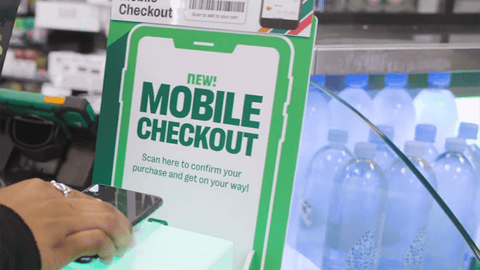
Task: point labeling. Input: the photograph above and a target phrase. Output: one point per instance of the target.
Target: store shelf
(26, 79)
(357, 49)
(395, 59)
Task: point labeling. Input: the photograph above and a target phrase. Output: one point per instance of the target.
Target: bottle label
(363, 254)
(415, 255)
(306, 212)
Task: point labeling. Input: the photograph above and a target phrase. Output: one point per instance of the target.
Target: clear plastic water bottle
(394, 107)
(426, 133)
(469, 132)
(318, 6)
(316, 198)
(436, 106)
(384, 156)
(457, 186)
(316, 123)
(408, 207)
(343, 118)
(356, 214)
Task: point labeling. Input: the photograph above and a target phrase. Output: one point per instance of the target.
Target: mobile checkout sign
(207, 119)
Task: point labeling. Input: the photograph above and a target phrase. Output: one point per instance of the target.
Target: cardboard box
(61, 15)
(76, 71)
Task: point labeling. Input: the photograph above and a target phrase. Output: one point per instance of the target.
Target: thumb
(89, 243)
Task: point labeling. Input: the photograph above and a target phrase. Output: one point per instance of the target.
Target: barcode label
(215, 5)
(222, 11)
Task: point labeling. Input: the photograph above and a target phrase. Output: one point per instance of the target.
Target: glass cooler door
(388, 171)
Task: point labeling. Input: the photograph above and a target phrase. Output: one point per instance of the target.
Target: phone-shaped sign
(281, 14)
(202, 122)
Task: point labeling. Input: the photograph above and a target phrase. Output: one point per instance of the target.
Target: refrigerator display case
(397, 11)
(376, 92)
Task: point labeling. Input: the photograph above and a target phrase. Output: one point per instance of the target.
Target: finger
(85, 214)
(71, 206)
(91, 242)
(114, 225)
(78, 211)
(95, 205)
(82, 204)
(54, 191)
(44, 188)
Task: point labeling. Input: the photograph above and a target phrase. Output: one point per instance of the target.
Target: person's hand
(66, 228)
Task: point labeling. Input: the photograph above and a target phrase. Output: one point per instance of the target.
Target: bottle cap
(387, 130)
(337, 136)
(439, 78)
(319, 79)
(425, 133)
(312, 87)
(457, 145)
(398, 80)
(356, 81)
(365, 150)
(468, 131)
(414, 149)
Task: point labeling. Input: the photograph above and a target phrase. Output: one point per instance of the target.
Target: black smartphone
(280, 14)
(136, 206)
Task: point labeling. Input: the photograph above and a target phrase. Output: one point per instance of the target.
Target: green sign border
(118, 43)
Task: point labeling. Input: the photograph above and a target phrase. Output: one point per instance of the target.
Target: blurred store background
(412, 67)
